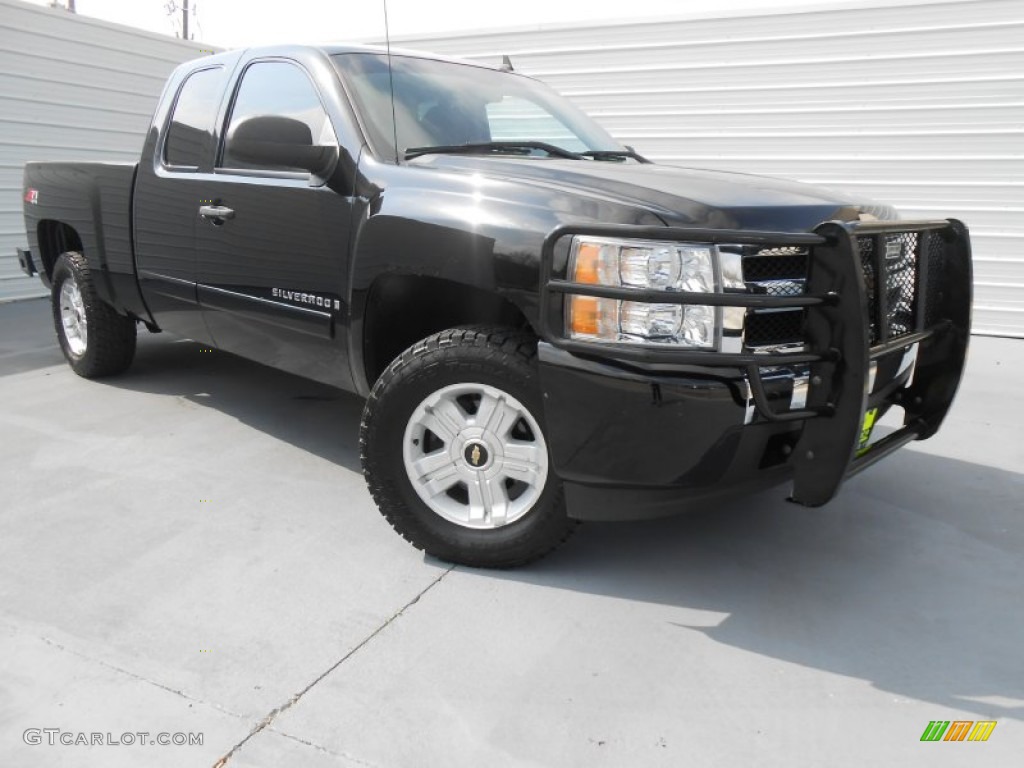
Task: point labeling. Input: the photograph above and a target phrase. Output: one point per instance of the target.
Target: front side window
(191, 127)
(282, 90)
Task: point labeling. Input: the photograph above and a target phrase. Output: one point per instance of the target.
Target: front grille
(775, 329)
(767, 264)
(781, 287)
(776, 272)
(893, 296)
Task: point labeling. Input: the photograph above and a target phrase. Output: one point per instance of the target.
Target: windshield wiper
(615, 154)
(517, 147)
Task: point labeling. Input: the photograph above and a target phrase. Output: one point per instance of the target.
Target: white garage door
(920, 104)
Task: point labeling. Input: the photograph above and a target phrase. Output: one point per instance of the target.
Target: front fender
(487, 233)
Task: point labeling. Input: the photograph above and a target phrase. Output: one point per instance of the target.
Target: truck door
(272, 243)
(166, 188)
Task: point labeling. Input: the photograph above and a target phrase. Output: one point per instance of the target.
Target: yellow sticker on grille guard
(865, 430)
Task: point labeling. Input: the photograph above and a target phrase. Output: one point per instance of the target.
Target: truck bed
(95, 199)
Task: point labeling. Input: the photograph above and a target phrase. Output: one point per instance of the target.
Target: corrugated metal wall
(71, 88)
(916, 103)
(920, 104)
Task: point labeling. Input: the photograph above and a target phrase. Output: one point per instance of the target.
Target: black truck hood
(679, 196)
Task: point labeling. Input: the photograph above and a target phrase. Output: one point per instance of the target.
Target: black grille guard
(837, 345)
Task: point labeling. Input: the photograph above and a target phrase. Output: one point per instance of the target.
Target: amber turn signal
(588, 262)
(583, 311)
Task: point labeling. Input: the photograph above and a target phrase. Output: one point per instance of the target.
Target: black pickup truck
(546, 326)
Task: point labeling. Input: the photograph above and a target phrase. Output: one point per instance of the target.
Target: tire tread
(111, 342)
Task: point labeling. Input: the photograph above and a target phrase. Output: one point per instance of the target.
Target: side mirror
(279, 143)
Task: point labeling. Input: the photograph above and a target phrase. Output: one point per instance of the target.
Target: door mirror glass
(280, 143)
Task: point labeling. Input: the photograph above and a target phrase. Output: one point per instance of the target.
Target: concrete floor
(190, 547)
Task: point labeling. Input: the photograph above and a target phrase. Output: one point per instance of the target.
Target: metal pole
(71, 5)
(184, 20)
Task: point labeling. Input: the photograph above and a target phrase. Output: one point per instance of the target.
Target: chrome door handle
(218, 214)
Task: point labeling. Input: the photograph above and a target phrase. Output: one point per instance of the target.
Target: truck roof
(332, 49)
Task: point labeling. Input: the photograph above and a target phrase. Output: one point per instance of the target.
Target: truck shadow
(28, 341)
(311, 416)
(909, 580)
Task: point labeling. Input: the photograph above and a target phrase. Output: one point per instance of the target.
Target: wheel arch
(402, 309)
(56, 237)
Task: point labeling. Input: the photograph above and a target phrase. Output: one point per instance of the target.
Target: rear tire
(95, 339)
(454, 453)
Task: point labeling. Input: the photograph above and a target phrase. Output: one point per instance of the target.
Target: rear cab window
(190, 129)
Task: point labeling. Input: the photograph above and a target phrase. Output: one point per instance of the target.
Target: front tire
(454, 451)
(95, 339)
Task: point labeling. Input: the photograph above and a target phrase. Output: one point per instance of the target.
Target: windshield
(442, 104)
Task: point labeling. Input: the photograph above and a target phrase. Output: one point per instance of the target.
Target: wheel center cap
(476, 454)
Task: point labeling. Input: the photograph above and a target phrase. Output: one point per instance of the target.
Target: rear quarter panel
(95, 200)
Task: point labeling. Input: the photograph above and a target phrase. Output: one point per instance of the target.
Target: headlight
(649, 265)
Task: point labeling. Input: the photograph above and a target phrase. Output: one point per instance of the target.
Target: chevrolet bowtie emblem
(474, 457)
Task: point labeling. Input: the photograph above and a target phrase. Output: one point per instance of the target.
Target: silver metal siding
(919, 103)
(71, 88)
